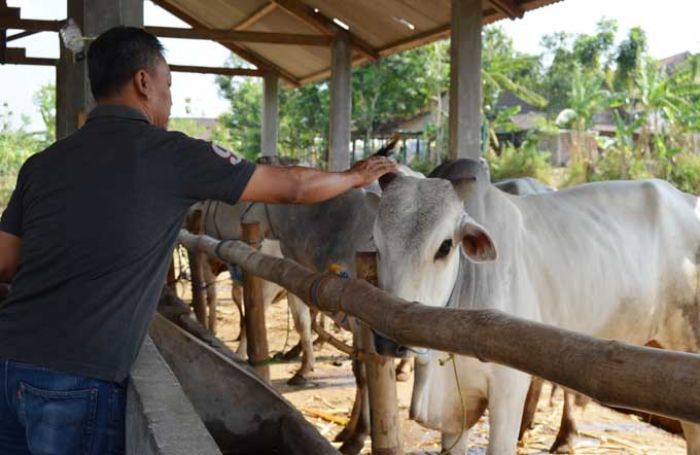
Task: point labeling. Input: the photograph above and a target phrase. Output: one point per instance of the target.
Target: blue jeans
(45, 412)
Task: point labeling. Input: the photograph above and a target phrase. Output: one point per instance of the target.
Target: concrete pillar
(341, 104)
(73, 97)
(270, 115)
(465, 80)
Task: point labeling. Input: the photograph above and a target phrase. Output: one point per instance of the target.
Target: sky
(671, 28)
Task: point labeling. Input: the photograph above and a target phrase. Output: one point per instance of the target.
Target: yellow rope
(451, 357)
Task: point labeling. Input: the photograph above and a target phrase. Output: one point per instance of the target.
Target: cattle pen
(616, 373)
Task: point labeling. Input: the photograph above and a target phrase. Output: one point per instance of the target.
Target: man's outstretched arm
(10, 247)
(300, 185)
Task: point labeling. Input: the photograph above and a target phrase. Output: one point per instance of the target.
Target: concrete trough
(243, 413)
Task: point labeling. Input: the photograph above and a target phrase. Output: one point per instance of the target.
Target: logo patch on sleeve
(225, 154)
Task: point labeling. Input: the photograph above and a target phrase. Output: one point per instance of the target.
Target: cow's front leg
(302, 324)
(566, 437)
(507, 392)
(691, 431)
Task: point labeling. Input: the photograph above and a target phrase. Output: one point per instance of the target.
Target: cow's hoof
(562, 446)
(293, 353)
(353, 444)
(298, 380)
(343, 435)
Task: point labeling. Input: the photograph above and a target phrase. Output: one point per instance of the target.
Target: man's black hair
(117, 54)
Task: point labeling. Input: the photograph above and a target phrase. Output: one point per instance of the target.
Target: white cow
(616, 260)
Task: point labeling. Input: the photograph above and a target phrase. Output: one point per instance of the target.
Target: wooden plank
(17, 56)
(326, 25)
(225, 36)
(256, 17)
(36, 25)
(241, 51)
(508, 7)
(217, 70)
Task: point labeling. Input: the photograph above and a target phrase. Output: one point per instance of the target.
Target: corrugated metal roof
(376, 27)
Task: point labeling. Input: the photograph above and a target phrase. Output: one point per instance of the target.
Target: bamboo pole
(381, 377)
(614, 373)
(258, 352)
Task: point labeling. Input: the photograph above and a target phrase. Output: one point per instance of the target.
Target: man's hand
(369, 170)
(10, 248)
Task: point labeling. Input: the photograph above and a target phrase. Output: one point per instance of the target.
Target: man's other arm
(10, 247)
(300, 185)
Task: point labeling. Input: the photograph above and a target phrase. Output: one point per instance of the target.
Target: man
(86, 242)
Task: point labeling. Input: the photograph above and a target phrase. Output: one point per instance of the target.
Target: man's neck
(122, 100)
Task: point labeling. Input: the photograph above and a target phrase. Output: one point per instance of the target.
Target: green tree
(391, 88)
(45, 101)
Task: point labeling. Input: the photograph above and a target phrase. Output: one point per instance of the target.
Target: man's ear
(142, 83)
(477, 244)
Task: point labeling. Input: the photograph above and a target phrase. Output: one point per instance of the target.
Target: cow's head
(420, 232)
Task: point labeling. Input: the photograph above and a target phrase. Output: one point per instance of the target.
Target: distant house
(670, 64)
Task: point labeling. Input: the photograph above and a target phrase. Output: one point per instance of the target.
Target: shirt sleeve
(11, 221)
(208, 171)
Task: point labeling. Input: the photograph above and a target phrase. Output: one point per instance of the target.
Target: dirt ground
(327, 400)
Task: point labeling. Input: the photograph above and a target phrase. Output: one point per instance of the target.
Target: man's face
(161, 99)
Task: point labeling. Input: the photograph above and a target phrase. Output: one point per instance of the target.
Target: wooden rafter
(325, 25)
(18, 56)
(508, 7)
(217, 70)
(256, 17)
(37, 25)
(21, 35)
(235, 35)
(9, 12)
(252, 57)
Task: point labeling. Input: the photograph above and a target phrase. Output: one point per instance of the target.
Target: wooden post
(73, 96)
(171, 280)
(381, 377)
(341, 104)
(465, 80)
(256, 331)
(270, 115)
(199, 296)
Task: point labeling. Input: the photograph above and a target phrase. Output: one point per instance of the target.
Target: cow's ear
(465, 187)
(477, 244)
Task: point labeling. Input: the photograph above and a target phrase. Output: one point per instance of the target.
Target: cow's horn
(388, 149)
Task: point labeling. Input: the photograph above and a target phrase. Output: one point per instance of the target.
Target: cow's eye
(444, 250)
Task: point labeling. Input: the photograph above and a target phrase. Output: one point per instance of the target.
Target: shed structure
(295, 41)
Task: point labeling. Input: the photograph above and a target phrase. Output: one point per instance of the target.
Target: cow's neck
(488, 285)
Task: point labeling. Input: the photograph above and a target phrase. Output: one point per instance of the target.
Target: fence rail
(614, 373)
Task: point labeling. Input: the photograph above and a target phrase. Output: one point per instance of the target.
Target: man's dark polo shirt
(98, 214)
